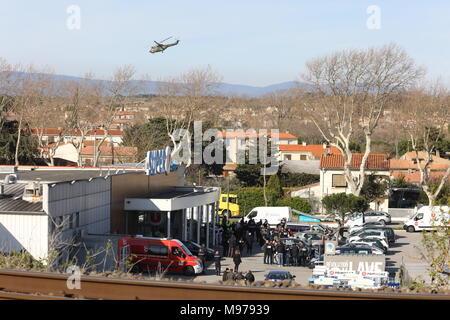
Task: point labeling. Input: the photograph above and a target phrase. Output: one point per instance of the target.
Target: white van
(273, 215)
(426, 218)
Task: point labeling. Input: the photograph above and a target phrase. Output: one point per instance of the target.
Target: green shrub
(296, 203)
(344, 206)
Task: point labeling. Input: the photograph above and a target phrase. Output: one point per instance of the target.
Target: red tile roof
(414, 177)
(336, 161)
(402, 164)
(316, 149)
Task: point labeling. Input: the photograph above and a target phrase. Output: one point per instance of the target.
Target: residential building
(237, 142)
(332, 179)
(304, 151)
(109, 154)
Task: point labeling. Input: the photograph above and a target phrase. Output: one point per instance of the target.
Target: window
(287, 157)
(158, 250)
(338, 180)
(303, 157)
(253, 214)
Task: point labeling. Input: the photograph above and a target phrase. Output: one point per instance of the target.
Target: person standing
(249, 243)
(287, 256)
(266, 252)
(217, 259)
(225, 239)
(237, 260)
(295, 252)
(232, 245)
(270, 251)
(241, 244)
(280, 250)
(201, 256)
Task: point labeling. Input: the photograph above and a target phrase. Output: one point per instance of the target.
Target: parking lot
(406, 248)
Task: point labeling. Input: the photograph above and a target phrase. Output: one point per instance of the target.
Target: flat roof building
(41, 207)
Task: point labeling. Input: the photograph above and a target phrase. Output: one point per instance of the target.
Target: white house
(237, 142)
(332, 179)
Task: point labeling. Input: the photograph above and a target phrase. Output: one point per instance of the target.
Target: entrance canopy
(178, 198)
(183, 212)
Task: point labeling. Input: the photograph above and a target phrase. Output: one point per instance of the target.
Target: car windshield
(186, 250)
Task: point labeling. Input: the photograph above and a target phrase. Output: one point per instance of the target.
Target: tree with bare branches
(351, 91)
(183, 99)
(429, 117)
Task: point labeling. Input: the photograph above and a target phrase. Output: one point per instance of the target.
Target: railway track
(39, 285)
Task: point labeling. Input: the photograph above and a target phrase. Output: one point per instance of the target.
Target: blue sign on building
(158, 162)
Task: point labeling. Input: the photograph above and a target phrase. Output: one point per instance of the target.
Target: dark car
(278, 275)
(390, 234)
(194, 247)
(353, 249)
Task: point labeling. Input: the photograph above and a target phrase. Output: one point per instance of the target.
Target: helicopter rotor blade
(166, 39)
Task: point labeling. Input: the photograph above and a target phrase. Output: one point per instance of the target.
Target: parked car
(377, 216)
(352, 249)
(370, 216)
(194, 247)
(307, 227)
(373, 242)
(311, 238)
(365, 225)
(363, 243)
(369, 233)
(278, 275)
(390, 234)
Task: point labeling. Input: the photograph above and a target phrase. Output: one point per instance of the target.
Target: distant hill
(225, 89)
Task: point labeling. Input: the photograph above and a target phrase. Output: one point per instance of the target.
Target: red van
(170, 254)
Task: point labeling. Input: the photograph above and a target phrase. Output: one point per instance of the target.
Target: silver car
(377, 216)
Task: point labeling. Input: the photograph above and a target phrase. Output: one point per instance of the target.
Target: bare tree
(184, 98)
(48, 114)
(429, 110)
(120, 89)
(84, 99)
(352, 89)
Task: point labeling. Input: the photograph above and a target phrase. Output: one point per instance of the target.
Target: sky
(247, 42)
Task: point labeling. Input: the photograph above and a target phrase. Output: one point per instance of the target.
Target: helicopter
(160, 47)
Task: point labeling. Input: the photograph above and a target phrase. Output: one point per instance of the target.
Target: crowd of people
(240, 239)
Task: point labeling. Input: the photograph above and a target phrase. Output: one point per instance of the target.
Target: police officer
(217, 259)
(201, 256)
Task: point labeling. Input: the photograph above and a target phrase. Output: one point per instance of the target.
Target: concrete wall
(24, 231)
(137, 184)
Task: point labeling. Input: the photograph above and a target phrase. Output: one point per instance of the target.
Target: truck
(151, 254)
(428, 218)
(273, 215)
(228, 205)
